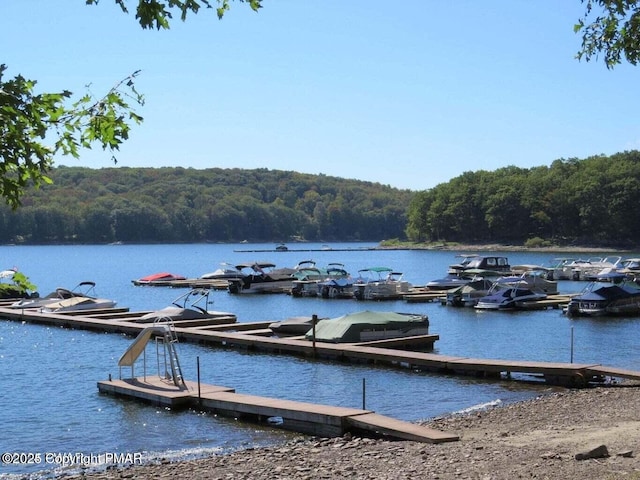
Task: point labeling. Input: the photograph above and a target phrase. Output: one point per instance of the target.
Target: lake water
(50, 402)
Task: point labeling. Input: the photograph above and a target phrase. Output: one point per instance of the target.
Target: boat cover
(347, 328)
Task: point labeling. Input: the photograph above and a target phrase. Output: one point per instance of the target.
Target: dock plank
(399, 429)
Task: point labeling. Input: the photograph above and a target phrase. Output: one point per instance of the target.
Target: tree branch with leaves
(36, 127)
(613, 32)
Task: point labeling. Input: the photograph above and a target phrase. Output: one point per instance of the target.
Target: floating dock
(394, 353)
(308, 418)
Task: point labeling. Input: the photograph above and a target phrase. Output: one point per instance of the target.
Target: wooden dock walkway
(393, 353)
(308, 418)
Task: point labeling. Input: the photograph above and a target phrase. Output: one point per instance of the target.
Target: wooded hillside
(581, 202)
(571, 202)
(213, 205)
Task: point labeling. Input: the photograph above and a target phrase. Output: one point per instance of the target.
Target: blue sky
(409, 94)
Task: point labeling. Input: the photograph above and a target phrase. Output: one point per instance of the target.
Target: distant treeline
(581, 202)
(594, 201)
(136, 205)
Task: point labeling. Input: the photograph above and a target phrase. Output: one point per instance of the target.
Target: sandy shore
(541, 438)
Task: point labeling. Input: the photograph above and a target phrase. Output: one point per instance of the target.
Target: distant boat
(471, 267)
(158, 277)
(590, 268)
(487, 263)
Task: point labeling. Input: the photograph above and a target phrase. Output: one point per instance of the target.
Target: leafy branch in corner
(36, 127)
(615, 32)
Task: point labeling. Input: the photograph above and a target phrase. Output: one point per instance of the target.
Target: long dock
(393, 353)
(308, 418)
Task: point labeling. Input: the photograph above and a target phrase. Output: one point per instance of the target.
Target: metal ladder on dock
(169, 354)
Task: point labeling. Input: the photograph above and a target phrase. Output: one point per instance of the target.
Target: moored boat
(158, 278)
(57, 295)
(226, 271)
(332, 282)
(589, 269)
(193, 305)
(609, 294)
(293, 326)
(509, 296)
(369, 326)
(468, 295)
(380, 283)
(490, 264)
(264, 277)
(86, 300)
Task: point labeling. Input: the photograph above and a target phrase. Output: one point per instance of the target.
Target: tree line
(581, 202)
(170, 205)
(593, 201)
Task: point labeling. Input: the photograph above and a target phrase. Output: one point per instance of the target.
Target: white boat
(629, 266)
(589, 269)
(9, 273)
(57, 295)
(225, 272)
(193, 305)
(561, 268)
(85, 301)
(380, 283)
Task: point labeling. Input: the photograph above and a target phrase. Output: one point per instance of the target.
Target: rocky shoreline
(453, 247)
(589, 433)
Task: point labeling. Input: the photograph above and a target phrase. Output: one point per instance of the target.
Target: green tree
(29, 120)
(35, 127)
(611, 28)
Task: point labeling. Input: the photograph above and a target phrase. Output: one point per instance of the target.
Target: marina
(479, 357)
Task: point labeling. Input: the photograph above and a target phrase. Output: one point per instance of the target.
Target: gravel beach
(590, 433)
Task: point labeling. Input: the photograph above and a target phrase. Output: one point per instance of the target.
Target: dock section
(308, 418)
(254, 336)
